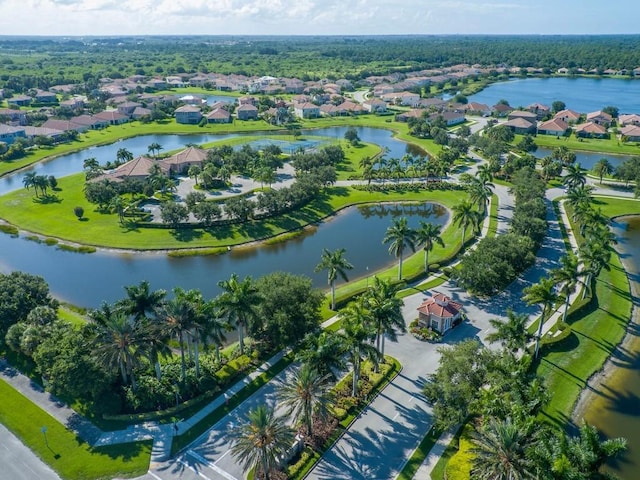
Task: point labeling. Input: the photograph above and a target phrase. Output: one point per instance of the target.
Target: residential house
(91, 122)
(407, 99)
(414, 113)
(157, 83)
(306, 110)
(198, 81)
(14, 117)
(439, 313)
(247, 100)
(188, 114)
(175, 81)
(629, 119)
(46, 97)
(20, 100)
(600, 118)
(525, 115)
(375, 105)
(64, 125)
(112, 116)
(73, 103)
(568, 116)
(432, 103)
(247, 112)
(630, 133)
(555, 126)
(192, 100)
(219, 115)
(127, 108)
(329, 110)
(9, 134)
(475, 108)
(140, 112)
(293, 85)
(521, 126)
(450, 118)
(539, 109)
(137, 168)
(181, 162)
(501, 109)
(383, 89)
(591, 130)
(32, 132)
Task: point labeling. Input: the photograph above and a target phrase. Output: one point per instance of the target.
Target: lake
(586, 159)
(581, 94)
(87, 280)
(615, 405)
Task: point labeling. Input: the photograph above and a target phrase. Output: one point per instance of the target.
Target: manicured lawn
(604, 145)
(68, 455)
(411, 467)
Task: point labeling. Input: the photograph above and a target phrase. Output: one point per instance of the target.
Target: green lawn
(68, 455)
(411, 467)
(604, 145)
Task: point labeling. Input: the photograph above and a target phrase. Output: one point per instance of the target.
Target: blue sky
(316, 17)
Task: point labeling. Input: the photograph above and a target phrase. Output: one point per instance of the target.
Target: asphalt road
(20, 463)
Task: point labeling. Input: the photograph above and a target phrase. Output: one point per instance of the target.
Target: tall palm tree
(568, 276)
(484, 173)
(357, 332)
(500, 449)
(28, 180)
(141, 302)
(123, 155)
(594, 256)
(214, 327)
(602, 167)
(324, 352)
(513, 333)
(480, 192)
(541, 293)
(154, 149)
(465, 216)
(385, 311)
(399, 236)
(259, 442)
(119, 344)
(580, 196)
(575, 177)
(336, 265)
(305, 394)
(428, 235)
(238, 303)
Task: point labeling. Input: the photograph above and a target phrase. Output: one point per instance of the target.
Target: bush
(300, 463)
(9, 229)
(425, 334)
(339, 413)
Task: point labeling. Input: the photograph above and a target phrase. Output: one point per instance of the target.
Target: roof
(590, 127)
(570, 114)
(553, 125)
(519, 123)
(187, 109)
(626, 118)
(138, 167)
(247, 107)
(219, 113)
(188, 155)
(630, 131)
(441, 306)
(599, 114)
(111, 115)
(522, 114)
(8, 129)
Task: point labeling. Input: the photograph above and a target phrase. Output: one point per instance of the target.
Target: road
(20, 463)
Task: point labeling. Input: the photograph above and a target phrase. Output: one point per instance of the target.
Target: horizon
(97, 18)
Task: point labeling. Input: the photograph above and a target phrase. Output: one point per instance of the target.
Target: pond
(586, 159)
(615, 405)
(580, 94)
(87, 280)
(72, 163)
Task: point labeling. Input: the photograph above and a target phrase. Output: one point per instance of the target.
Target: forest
(44, 61)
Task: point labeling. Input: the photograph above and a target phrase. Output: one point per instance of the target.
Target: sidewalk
(432, 458)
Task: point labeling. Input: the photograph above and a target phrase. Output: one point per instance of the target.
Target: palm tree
(335, 264)
(214, 327)
(580, 196)
(193, 172)
(324, 352)
(141, 302)
(178, 316)
(575, 177)
(500, 451)
(260, 442)
(119, 344)
(357, 332)
(568, 277)
(238, 303)
(594, 256)
(542, 293)
(602, 167)
(385, 311)
(399, 236)
(465, 216)
(118, 206)
(123, 155)
(305, 394)
(428, 235)
(29, 180)
(484, 173)
(154, 149)
(480, 193)
(513, 333)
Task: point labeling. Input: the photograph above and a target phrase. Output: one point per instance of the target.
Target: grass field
(604, 145)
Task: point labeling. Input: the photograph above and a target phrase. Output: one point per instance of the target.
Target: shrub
(426, 334)
(339, 413)
(9, 229)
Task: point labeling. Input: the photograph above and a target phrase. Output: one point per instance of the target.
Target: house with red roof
(630, 133)
(568, 116)
(439, 313)
(591, 130)
(555, 126)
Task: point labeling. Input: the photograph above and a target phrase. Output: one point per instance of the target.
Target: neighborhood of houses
(133, 99)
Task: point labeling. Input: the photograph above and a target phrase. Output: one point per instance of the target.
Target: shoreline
(609, 370)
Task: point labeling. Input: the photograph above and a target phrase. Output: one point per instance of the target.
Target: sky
(316, 17)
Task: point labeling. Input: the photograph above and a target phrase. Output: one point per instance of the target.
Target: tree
(123, 155)
(78, 212)
(154, 149)
(119, 345)
(351, 135)
(238, 302)
(384, 311)
(594, 255)
(464, 216)
(261, 441)
(207, 212)
(558, 106)
(513, 333)
(336, 265)
(541, 293)
(480, 193)
(193, 172)
(500, 451)
(21, 293)
(173, 213)
(357, 331)
(428, 235)
(141, 302)
(568, 277)
(324, 352)
(305, 394)
(602, 167)
(399, 236)
(574, 177)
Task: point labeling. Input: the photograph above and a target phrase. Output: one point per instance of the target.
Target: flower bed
(425, 334)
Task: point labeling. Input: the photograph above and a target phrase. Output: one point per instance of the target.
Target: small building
(181, 161)
(247, 112)
(375, 105)
(439, 313)
(141, 112)
(629, 119)
(568, 116)
(555, 126)
(9, 134)
(407, 99)
(529, 116)
(630, 133)
(591, 130)
(520, 126)
(306, 110)
(475, 108)
(501, 109)
(43, 96)
(137, 168)
(112, 116)
(127, 108)
(539, 109)
(20, 100)
(15, 117)
(219, 115)
(64, 125)
(600, 117)
(188, 115)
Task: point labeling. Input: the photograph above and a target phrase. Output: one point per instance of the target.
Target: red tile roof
(440, 306)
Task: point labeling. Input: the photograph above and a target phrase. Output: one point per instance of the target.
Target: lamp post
(44, 434)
